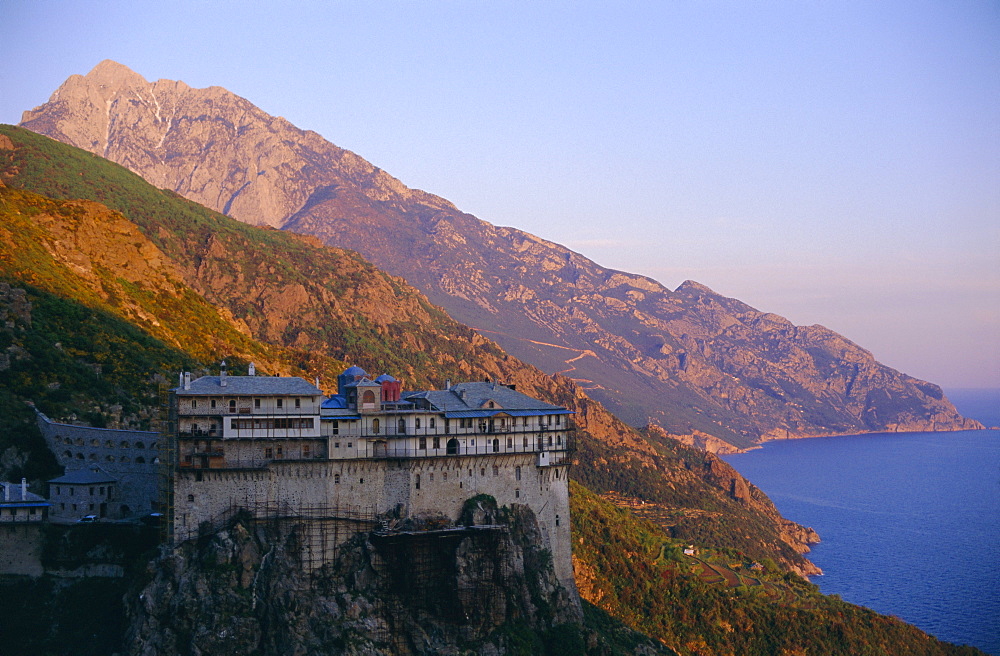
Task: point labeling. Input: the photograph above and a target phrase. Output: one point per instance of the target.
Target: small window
(140, 445)
(416, 422)
(517, 473)
(496, 470)
(212, 403)
(350, 444)
(140, 460)
(102, 491)
(517, 494)
(418, 481)
(482, 471)
(423, 443)
(361, 481)
(91, 491)
(298, 403)
(190, 497)
(336, 479)
(437, 442)
(268, 452)
(280, 453)
(232, 405)
(280, 403)
(256, 403)
(432, 422)
(336, 445)
(376, 427)
(306, 451)
(194, 403)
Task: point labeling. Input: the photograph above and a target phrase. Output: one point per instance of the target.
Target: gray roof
(250, 386)
(85, 477)
(475, 397)
(30, 498)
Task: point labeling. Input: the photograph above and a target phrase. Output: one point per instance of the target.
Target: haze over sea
(909, 521)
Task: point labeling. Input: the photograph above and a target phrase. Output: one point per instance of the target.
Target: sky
(836, 163)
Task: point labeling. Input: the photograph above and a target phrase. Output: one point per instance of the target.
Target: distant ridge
(708, 369)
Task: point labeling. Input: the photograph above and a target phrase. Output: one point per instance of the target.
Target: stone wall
(366, 489)
(21, 553)
(131, 456)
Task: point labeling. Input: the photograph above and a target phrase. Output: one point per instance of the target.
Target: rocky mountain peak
(692, 361)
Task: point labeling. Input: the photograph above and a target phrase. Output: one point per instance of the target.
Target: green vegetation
(717, 603)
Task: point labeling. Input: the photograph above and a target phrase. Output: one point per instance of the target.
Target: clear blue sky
(833, 162)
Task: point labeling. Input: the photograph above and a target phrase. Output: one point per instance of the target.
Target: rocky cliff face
(243, 590)
(692, 361)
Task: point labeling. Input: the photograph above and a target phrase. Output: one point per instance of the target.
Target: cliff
(420, 591)
(691, 361)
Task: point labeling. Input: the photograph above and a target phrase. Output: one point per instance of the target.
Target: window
(212, 403)
(558, 420)
(190, 497)
(437, 442)
(280, 403)
(376, 428)
(496, 446)
(336, 428)
(306, 451)
(298, 403)
(336, 479)
(510, 442)
(482, 471)
(256, 403)
(102, 490)
(268, 452)
(517, 473)
(194, 403)
(140, 445)
(401, 426)
(232, 405)
(91, 491)
(140, 460)
(557, 520)
(432, 422)
(280, 453)
(72, 491)
(336, 445)
(517, 494)
(416, 422)
(496, 470)
(423, 443)
(418, 481)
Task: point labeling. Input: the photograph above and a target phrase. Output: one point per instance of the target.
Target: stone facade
(129, 457)
(380, 453)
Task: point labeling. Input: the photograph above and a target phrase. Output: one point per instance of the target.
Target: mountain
(298, 307)
(107, 283)
(710, 370)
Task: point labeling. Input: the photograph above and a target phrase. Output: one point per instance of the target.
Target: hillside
(710, 369)
(90, 328)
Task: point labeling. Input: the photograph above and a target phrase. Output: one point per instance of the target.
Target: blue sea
(910, 522)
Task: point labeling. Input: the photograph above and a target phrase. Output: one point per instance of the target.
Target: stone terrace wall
(131, 456)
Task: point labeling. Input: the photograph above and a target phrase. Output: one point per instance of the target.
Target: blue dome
(355, 371)
(385, 378)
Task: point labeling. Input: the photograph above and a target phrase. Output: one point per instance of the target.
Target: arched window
(67, 454)
(452, 447)
(418, 481)
(401, 426)
(93, 456)
(376, 427)
(416, 423)
(517, 472)
(140, 460)
(232, 405)
(79, 456)
(109, 444)
(140, 445)
(432, 422)
(124, 444)
(95, 442)
(496, 446)
(368, 399)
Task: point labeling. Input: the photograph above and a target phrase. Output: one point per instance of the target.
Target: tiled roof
(249, 386)
(29, 499)
(475, 397)
(84, 477)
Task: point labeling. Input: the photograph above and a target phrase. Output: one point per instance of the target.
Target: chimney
(251, 370)
(317, 382)
(447, 384)
(24, 489)
(222, 374)
(6, 491)
(187, 380)
(180, 380)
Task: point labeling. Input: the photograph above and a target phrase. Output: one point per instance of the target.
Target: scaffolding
(167, 428)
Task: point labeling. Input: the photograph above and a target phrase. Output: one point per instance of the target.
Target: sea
(909, 522)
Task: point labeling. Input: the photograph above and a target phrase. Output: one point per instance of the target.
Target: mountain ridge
(690, 360)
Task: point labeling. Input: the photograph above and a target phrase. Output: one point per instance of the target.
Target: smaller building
(19, 505)
(83, 492)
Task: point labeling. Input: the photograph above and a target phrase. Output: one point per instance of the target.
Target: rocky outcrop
(243, 590)
(692, 361)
